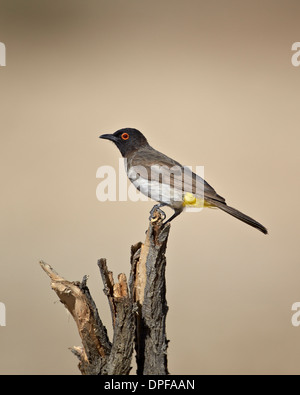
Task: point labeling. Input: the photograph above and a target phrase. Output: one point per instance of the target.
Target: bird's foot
(161, 214)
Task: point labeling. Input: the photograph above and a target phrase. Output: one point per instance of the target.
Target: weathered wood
(97, 354)
(108, 281)
(148, 288)
(119, 361)
(138, 313)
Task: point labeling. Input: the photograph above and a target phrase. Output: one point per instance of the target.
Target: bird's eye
(125, 136)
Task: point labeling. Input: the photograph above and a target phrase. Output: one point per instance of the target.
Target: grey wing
(199, 187)
(169, 171)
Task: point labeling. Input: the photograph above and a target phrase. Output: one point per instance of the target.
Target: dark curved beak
(110, 137)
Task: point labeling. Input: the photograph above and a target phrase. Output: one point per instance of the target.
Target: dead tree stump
(138, 311)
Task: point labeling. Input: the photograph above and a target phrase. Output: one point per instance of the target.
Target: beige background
(210, 83)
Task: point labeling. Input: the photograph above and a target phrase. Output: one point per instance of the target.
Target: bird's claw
(153, 218)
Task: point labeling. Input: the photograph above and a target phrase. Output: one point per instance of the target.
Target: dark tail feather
(242, 217)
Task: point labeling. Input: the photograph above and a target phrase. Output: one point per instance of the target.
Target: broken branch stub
(148, 289)
(96, 351)
(138, 316)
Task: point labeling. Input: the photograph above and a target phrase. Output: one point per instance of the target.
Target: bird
(166, 181)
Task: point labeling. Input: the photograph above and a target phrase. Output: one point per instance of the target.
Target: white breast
(157, 191)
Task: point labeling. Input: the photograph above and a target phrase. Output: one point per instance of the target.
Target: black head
(127, 140)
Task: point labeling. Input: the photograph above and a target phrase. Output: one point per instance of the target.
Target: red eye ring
(125, 136)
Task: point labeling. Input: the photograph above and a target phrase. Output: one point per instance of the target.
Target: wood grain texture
(138, 311)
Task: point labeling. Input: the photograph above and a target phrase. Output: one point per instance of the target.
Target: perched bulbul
(165, 180)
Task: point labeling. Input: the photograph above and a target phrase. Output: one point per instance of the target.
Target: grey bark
(151, 342)
(138, 312)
